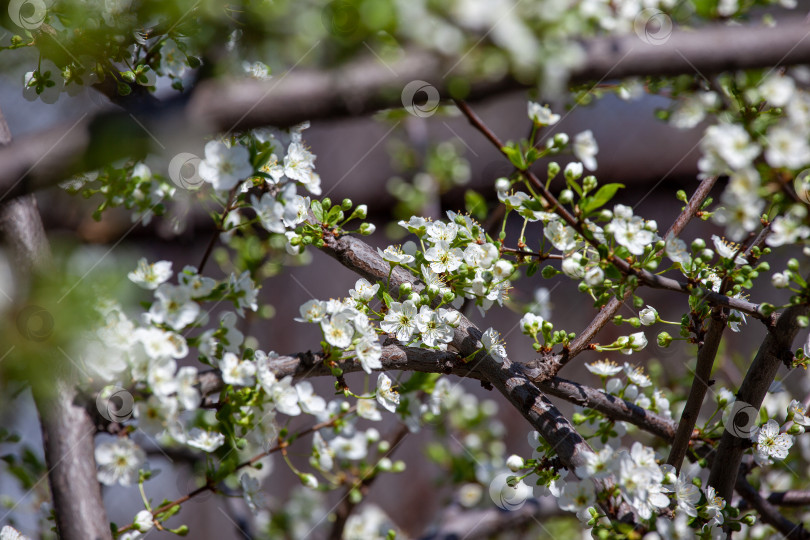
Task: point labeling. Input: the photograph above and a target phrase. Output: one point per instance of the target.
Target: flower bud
(502, 184)
(573, 170)
(566, 196)
(515, 463)
(309, 480)
(367, 229)
(793, 264)
(780, 280)
(648, 316)
(664, 339)
(553, 169)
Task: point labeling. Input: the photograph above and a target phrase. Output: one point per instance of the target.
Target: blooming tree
(164, 358)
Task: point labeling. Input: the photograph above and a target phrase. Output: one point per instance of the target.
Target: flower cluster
(646, 485)
(457, 261)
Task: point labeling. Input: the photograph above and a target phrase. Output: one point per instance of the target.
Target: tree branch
(769, 513)
(67, 429)
(645, 276)
(364, 87)
(707, 351)
(607, 312)
(508, 377)
(611, 406)
(490, 522)
(790, 498)
(346, 505)
(396, 357)
(775, 349)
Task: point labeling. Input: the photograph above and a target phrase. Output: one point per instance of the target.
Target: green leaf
(532, 155)
(532, 269)
(387, 299)
(515, 155)
(317, 210)
(475, 204)
(600, 198)
(334, 216)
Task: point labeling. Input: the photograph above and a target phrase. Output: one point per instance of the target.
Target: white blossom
(395, 255)
(585, 149)
(310, 402)
(386, 396)
(252, 492)
(223, 166)
(205, 440)
(237, 371)
(143, 521)
(367, 408)
(119, 462)
(173, 307)
(369, 352)
(245, 292)
(772, 444)
(603, 368)
(443, 258)
(400, 320)
(491, 340)
(542, 115)
(363, 290)
(338, 330)
(312, 311)
(150, 276)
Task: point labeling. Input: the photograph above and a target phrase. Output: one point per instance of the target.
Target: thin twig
(347, 506)
(707, 352)
(217, 230)
(282, 445)
(645, 276)
(769, 513)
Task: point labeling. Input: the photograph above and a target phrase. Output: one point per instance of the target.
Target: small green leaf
(317, 210)
(600, 198)
(515, 155)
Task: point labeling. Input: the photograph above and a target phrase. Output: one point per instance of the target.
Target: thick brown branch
(511, 379)
(611, 406)
(775, 349)
(790, 498)
(395, 357)
(67, 430)
(364, 87)
(490, 522)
